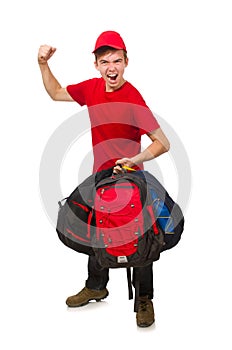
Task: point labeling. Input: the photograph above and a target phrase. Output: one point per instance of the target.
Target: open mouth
(112, 77)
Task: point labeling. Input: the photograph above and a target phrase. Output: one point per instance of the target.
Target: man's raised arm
(52, 86)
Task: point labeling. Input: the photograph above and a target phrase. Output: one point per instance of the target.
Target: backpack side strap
(130, 291)
(136, 286)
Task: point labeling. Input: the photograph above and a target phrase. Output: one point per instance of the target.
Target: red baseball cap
(110, 38)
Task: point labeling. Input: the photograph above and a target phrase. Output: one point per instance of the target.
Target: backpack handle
(125, 168)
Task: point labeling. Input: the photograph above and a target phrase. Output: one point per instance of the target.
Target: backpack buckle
(122, 259)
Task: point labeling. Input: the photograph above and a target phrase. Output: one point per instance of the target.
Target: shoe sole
(83, 304)
(144, 325)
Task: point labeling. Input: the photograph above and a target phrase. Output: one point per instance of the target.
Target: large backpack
(76, 225)
(125, 220)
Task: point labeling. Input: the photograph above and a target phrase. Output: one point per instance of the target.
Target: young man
(119, 116)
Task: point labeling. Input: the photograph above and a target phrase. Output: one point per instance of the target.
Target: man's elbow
(167, 146)
(164, 146)
(60, 94)
(55, 95)
(52, 94)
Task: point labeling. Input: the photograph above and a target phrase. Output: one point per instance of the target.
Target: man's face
(111, 66)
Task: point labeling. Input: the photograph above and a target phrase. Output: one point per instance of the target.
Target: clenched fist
(45, 53)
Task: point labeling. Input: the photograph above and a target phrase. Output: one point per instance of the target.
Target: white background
(180, 60)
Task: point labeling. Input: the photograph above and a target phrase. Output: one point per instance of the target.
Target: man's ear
(96, 65)
(126, 61)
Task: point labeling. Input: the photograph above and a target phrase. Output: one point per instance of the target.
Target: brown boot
(145, 316)
(85, 295)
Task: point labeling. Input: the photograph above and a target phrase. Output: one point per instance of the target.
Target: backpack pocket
(74, 226)
(119, 219)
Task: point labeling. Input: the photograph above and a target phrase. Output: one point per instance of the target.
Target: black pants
(98, 277)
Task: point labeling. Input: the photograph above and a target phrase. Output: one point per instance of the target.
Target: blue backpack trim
(170, 218)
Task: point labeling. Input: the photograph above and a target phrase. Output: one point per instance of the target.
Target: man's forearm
(154, 150)
(50, 83)
(151, 152)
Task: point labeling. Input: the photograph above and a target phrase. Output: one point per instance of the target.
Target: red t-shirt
(118, 119)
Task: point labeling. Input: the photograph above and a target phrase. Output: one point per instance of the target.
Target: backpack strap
(136, 285)
(130, 291)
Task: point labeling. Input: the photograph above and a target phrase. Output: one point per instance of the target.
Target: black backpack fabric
(75, 222)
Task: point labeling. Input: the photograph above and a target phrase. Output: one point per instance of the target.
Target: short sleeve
(78, 92)
(144, 119)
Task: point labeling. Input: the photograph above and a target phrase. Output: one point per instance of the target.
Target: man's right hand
(45, 53)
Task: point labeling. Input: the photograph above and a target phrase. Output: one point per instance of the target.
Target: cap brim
(110, 46)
